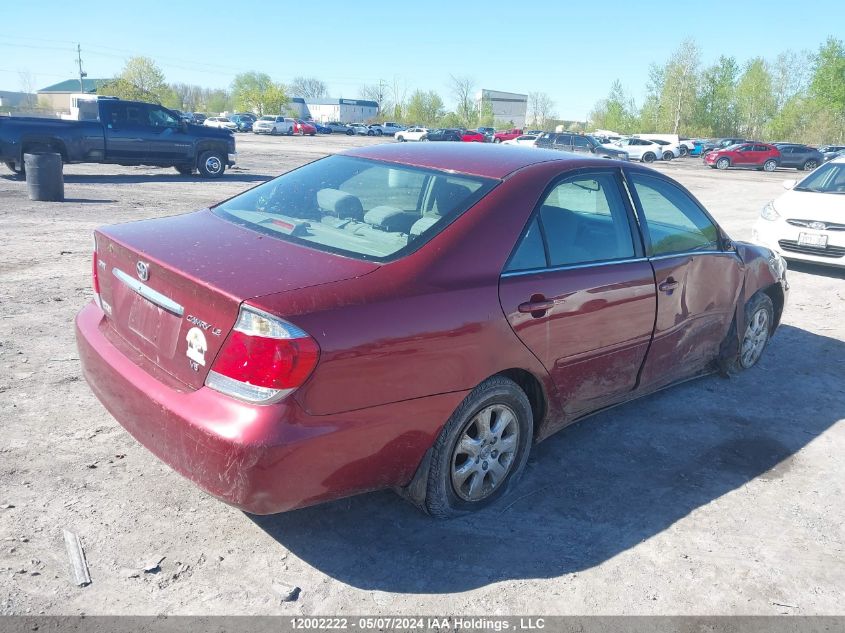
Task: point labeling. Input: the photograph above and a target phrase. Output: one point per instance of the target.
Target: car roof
(479, 159)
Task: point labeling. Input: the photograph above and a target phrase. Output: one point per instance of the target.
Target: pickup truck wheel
(497, 140)
(290, 131)
(211, 165)
(379, 133)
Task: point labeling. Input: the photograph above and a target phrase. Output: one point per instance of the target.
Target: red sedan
(472, 136)
(412, 317)
(303, 127)
(757, 155)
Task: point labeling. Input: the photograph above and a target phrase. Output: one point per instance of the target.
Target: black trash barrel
(44, 179)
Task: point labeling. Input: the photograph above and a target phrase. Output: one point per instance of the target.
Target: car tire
(400, 139)
(349, 132)
(460, 480)
(290, 131)
(723, 163)
(273, 131)
(211, 164)
(668, 156)
(301, 132)
(370, 133)
(810, 165)
(770, 165)
(759, 319)
(497, 140)
(649, 157)
(684, 151)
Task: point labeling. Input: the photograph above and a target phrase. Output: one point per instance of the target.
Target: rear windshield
(363, 208)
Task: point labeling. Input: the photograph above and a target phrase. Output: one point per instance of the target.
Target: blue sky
(571, 51)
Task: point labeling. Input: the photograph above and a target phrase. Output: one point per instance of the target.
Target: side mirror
(789, 184)
(726, 244)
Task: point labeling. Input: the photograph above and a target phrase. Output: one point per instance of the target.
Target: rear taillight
(95, 278)
(263, 359)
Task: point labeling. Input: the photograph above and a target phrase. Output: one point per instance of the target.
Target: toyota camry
(414, 317)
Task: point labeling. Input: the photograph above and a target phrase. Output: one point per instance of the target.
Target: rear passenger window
(584, 220)
(675, 223)
(530, 254)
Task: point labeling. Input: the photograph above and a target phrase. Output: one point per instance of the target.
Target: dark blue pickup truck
(126, 133)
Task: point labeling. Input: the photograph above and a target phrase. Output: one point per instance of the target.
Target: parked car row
(764, 156)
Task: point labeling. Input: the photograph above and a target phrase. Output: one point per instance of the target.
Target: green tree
(680, 83)
(716, 104)
(755, 100)
(140, 80)
(424, 108)
(256, 92)
(466, 108)
(616, 112)
(827, 86)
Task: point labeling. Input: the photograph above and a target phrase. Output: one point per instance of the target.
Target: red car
(506, 135)
(753, 154)
(411, 317)
(472, 136)
(303, 127)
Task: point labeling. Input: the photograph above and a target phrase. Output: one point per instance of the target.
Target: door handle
(667, 285)
(537, 306)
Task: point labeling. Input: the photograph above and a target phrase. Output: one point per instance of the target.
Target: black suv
(799, 156)
(721, 143)
(580, 143)
(443, 134)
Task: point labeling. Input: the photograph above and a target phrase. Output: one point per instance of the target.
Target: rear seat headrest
(340, 204)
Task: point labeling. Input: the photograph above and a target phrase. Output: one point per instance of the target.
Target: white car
(640, 149)
(274, 124)
(411, 134)
(807, 223)
(220, 121)
(527, 139)
(361, 129)
(670, 150)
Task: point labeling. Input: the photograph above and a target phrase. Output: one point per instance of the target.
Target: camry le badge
(143, 270)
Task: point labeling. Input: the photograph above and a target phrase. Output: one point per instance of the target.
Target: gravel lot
(715, 497)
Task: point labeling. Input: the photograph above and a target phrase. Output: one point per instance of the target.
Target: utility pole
(82, 73)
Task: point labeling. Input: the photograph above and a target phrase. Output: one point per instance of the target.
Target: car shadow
(168, 177)
(595, 489)
(816, 269)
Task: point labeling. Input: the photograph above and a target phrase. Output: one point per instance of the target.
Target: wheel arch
(50, 143)
(775, 293)
(533, 389)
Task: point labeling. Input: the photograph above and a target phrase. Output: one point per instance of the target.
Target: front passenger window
(675, 223)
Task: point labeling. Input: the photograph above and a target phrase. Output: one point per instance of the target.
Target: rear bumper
(261, 459)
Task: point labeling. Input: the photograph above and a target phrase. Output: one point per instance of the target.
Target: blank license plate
(812, 239)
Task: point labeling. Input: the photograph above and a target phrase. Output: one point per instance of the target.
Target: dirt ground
(716, 497)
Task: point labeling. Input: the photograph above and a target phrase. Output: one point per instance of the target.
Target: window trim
(633, 224)
(721, 236)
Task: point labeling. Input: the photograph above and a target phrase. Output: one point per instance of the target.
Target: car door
(698, 281)
(167, 141)
(579, 293)
(563, 142)
(581, 145)
(125, 129)
(745, 155)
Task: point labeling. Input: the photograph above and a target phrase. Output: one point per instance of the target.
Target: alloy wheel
(754, 341)
(485, 453)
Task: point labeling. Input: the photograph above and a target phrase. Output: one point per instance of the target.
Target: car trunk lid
(172, 287)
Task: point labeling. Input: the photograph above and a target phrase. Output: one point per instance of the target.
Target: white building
(343, 110)
(507, 106)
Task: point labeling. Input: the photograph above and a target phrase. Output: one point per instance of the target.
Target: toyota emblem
(817, 226)
(143, 270)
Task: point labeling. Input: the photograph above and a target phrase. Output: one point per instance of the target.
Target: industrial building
(343, 110)
(58, 96)
(507, 106)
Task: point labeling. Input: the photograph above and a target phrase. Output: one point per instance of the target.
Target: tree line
(142, 79)
(797, 96)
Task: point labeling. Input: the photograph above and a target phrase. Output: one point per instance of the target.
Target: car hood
(808, 205)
